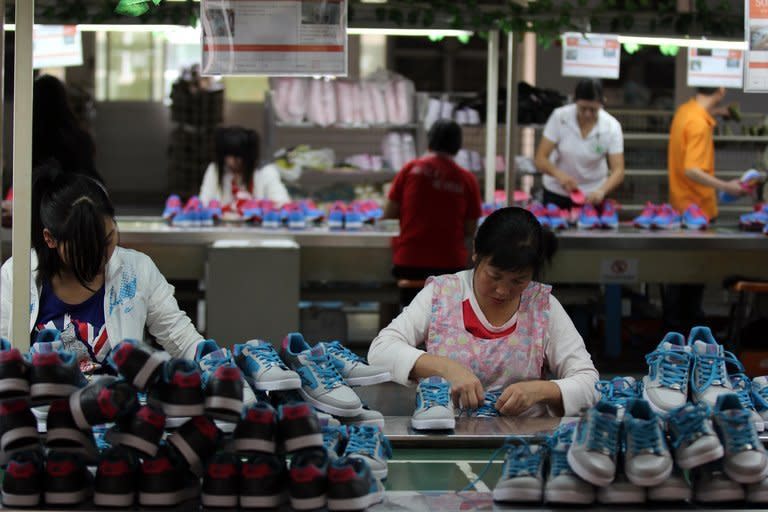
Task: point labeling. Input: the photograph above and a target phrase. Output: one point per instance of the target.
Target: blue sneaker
(321, 384)
(755, 220)
(262, 367)
(745, 459)
(588, 218)
(618, 390)
(645, 219)
(488, 407)
(172, 207)
(647, 461)
(522, 475)
(353, 220)
(297, 220)
(710, 376)
(609, 217)
(760, 396)
(562, 484)
(352, 485)
(666, 218)
(666, 385)
(695, 218)
(47, 340)
(368, 442)
(336, 219)
(223, 384)
(335, 440)
(693, 437)
(596, 444)
(434, 408)
(742, 386)
(271, 219)
(354, 369)
(556, 219)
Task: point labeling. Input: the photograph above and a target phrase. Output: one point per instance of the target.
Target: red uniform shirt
(436, 198)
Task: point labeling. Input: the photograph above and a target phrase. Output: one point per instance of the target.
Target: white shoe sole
(166, 499)
(20, 500)
(369, 380)
(517, 495)
(720, 495)
(673, 494)
(701, 459)
(568, 497)
(581, 471)
(131, 441)
(757, 497)
(113, 500)
(278, 385)
(433, 424)
(67, 498)
(360, 503)
(753, 478)
(261, 501)
(213, 500)
(307, 441)
(331, 409)
(648, 481)
(308, 503)
(622, 498)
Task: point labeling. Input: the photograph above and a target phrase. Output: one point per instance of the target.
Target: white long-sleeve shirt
(565, 356)
(266, 185)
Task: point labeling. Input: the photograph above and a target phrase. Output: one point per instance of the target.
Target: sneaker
(621, 491)
(67, 479)
(262, 367)
(308, 479)
(297, 220)
(712, 485)
(522, 475)
(588, 219)
(609, 217)
(23, 479)
(221, 482)
(47, 341)
(562, 484)
(64, 435)
(745, 460)
(354, 369)
(556, 219)
(619, 390)
(222, 381)
(353, 220)
(172, 207)
(164, 480)
(647, 461)
(434, 408)
(103, 401)
(758, 493)
(271, 219)
(116, 477)
(693, 436)
(742, 386)
(335, 440)
(336, 220)
(369, 443)
(196, 442)
(54, 375)
(488, 408)
(262, 482)
(666, 218)
(142, 431)
(674, 488)
(367, 417)
(760, 396)
(666, 385)
(595, 444)
(695, 218)
(14, 372)
(256, 430)
(709, 379)
(137, 365)
(352, 485)
(756, 220)
(322, 386)
(178, 392)
(18, 426)
(542, 215)
(645, 219)
(299, 427)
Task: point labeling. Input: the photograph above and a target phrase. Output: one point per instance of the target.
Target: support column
(491, 121)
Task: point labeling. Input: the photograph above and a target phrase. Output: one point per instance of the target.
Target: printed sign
(55, 46)
(591, 55)
(715, 68)
(756, 31)
(619, 270)
(274, 37)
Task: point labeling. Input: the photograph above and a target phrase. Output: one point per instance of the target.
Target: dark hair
(239, 142)
(445, 137)
(56, 132)
(73, 208)
(589, 89)
(514, 240)
(707, 91)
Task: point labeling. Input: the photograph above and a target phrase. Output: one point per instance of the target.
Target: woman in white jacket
(83, 284)
(236, 153)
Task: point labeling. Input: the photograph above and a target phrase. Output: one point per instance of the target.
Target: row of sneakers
(604, 216)
(665, 217)
(756, 220)
(353, 215)
(193, 213)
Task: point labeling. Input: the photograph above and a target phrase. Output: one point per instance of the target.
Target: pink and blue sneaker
(749, 181)
(755, 220)
(556, 218)
(271, 219)
(353, 220)
(609, 217)
(297, 219)
(588, 218)
(172, 207)
(214, 207)
(695, 218)
(645, 219)
(311, 212)
(666, 218)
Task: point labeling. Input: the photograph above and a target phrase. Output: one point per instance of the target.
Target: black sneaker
(164, 480)
(63, 434)
(262, 482)
(352, 486)
(221, 481)
(116, 478)
(308, 479)
(196, 442)
(23, 480)
(178, 391)
(137, 365)
(255, 432)
(54, 375)
(142, 432)
(67, 479)
(18, 426)
(299, 427)
(103, 401)
(14, 372)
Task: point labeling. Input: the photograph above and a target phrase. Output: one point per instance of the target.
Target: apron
(497, 362)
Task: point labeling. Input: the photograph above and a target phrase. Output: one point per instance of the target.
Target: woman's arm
(209, 189)
(615, 179)
(545, 166)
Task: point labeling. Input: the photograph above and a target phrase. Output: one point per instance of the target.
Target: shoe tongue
(711, 349)
(317, 351)
(435, 379)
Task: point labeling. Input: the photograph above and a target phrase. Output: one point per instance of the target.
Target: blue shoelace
(689, 424)
(645, 436)
(711, 368)
(559, 444)
(434, 394)
(760, 397)
(671, 365)
(488, 407)
(742, 386)
(618, 390)
(266, 355)
(603, 433)
(365, 441)
(325, 371)
(739, 431)
(519, 460)
(338, 350)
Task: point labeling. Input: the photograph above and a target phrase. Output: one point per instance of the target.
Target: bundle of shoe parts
(164, 431)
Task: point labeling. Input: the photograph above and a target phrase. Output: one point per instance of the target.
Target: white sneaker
(595, 444)
(760, 396)
(758, 493)
(355, 370)
(693, 436)
(647, 461)
(369, 443)
(712, 485)
(746, 460)
(522, 475)
(674, 488)
(709, 378)
(562, 484)
(434, 408)
(666, 385)
(742, 386)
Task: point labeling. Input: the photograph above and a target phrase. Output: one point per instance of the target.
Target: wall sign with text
(591, 55)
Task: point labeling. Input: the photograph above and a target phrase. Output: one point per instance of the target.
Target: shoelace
(743, 387)
(760, 396)
(488, 408)
(688, 425)
(434, 394)
(603, 432)
(620, 394)
(338, 350)
(518, 459)
(739, 431)
(711, 368)
(645, 436)
(559, 444)
(672, 365)
(365, 440)
(325, 370)
(266, 355)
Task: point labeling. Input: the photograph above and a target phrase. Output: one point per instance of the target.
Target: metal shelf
(305, 125)
(664, 172)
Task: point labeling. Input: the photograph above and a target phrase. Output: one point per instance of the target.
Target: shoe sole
(47, 392)
(8, 386)
(654, 407)
(308, 503)
(581, 471)
(104, 499)
(131, 441)
(19, 434)
(67, 498)
(165, 499)
(331, 409)
(177, 410)
(141, 379)
(20, 500)
(753, 478)
(517, 495)
(434, 424)
(568, 497)
(359, 503)
(757, 497)
(369, 380)
(647, 481)
(676, 494)
(255, 445)
(261, 501)
(720, 495)
(195, 465)
(307, 441)
(352, 421)
(277, 385)
(701, 459)
(622, 498)
(223, 408)
(216, 500)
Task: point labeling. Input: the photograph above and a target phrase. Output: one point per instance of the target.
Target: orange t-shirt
(691, 146)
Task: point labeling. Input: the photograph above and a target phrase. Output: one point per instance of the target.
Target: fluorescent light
(684, 42)
(423, 32)
(119, 28)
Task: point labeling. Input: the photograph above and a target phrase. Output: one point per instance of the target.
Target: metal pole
(509, 168)
(491, 121)
(2, 98)
(22, 172)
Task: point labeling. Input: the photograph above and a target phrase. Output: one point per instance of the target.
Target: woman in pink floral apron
(493, 328)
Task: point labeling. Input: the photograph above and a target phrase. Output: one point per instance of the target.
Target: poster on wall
(715, 68)
(756, 31)
(274, 37)
(56, 46)
(591, 55)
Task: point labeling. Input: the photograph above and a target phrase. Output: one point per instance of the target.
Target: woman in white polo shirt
(582, 148)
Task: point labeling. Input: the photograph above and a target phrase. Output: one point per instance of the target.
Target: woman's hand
(567, 182)
(596, 197)
(466, 390)
(521, 396)
(733, 187)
